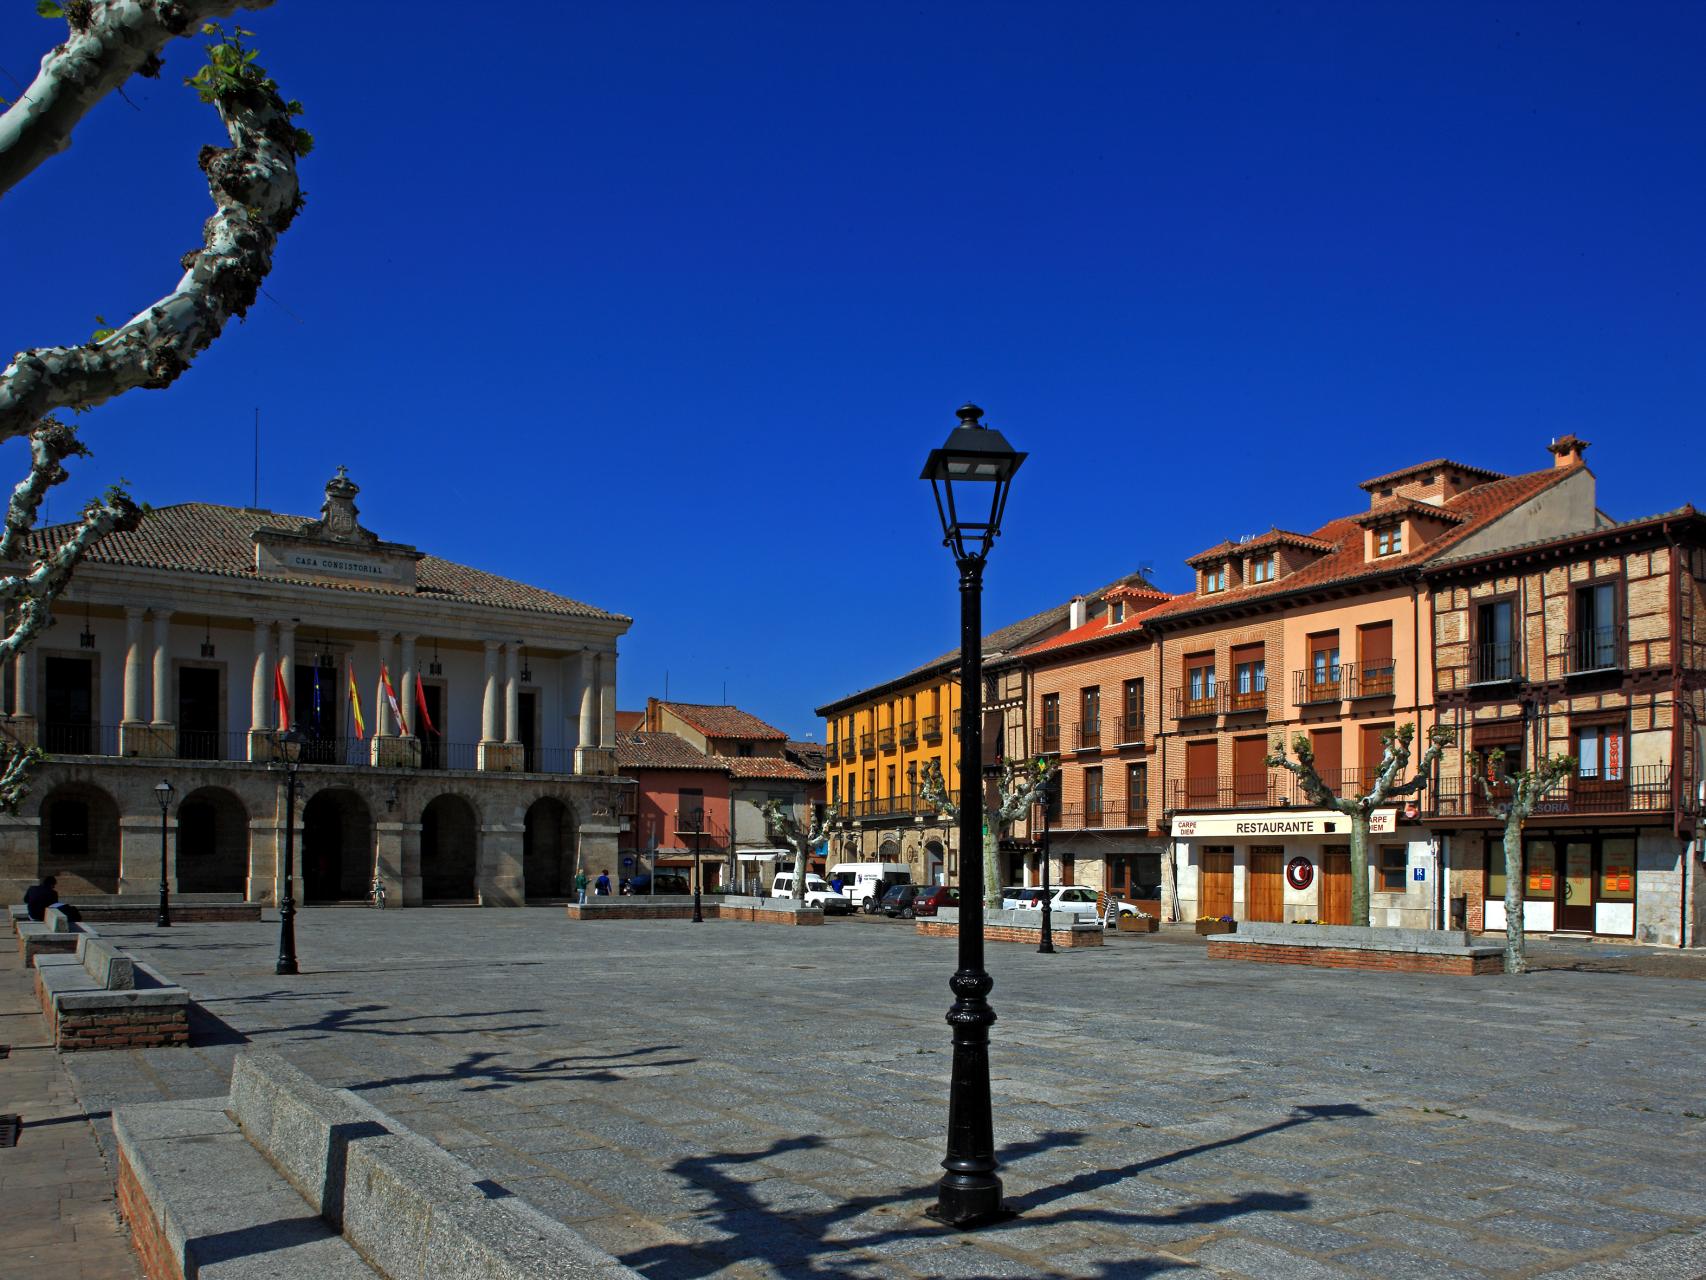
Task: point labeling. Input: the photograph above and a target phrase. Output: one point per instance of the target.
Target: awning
(762, 855)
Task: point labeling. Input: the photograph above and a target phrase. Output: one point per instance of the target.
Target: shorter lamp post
(1046, 946)
(290, 743)
(163, 793)
(697, 817)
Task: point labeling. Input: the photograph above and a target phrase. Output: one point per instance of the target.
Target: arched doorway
(213, 842)
(78, 841)
(933, 857)
(450, 843)
(546, 846)
(337, 847)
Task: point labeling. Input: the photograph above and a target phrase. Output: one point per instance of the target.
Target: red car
(926, 903)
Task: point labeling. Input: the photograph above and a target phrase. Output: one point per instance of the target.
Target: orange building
(1327, 633)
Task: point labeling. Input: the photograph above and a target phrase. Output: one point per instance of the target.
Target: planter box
(1350, 947)
(1138, 924)
(1206, 927)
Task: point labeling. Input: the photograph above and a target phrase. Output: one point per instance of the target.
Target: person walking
(601, 886)
(580, 887)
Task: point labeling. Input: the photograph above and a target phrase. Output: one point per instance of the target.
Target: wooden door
(1264, 890)
(1329, 747)
(1374, 660)
(1373, 751)
(1250, 770)
(1202, 759)
(1336, 884)
(1215, 897)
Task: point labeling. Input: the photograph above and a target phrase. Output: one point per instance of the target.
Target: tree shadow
(356, 1018)
(799, 1241)
(482, 1072)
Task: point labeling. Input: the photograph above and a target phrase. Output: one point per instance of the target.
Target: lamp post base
(966, 1208)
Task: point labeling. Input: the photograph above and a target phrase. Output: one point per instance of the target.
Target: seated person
(39, 897)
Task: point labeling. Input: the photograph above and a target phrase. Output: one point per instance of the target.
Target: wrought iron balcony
(1088, 735)
(1644, 788)
(1319, 688)
(885, 739)
(1370, 679)
(74, 739)
(932, 727)
(1131, 727)
(1183, 706)
(908, 733)
(1090, 814)
(1498, 663)
(1595, 649)
(868, 744)
(1048, 739)
(1225, 700)
(1268, 790)
(848, 750)
(1241, 702)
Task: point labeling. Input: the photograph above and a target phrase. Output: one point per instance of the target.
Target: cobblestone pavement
(58, 1213)
(742, 1100)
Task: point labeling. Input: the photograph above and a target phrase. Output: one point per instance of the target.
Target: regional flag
(283, 696)
(420, 702)
(391, 697)
(355, 704)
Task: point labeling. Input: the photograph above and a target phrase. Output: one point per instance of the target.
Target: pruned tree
(1017, 788)
(255, 194)
(801, 840)
(1359, 808)
(1514, 797)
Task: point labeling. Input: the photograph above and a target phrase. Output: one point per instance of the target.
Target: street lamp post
(976, 463)
(698, 817)
(1046, 946)
(163, 793)
(290, 748)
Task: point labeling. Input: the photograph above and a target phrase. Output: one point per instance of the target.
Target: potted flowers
(1216, 924)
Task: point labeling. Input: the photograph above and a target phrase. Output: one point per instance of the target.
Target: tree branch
(255, 192)
(32, 594)
(121, 38)
(934, 792)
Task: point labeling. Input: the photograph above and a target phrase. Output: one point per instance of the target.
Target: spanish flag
(283, 696)
(391, 697)
(355, 704)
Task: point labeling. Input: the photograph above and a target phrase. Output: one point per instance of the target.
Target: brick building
(1592, 646)
(680, 799)
(487, 781)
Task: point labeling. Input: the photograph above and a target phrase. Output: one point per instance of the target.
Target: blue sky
(662, 306)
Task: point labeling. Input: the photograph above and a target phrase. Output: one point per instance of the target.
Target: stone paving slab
(729, 1101)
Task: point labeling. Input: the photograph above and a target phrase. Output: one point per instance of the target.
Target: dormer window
(1116, 612)
(1389, 540)
(1262, 569)
(1214, 580)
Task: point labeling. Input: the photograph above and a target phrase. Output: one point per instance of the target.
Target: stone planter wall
(1350, 947)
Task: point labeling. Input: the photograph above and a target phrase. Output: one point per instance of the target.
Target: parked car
(1072, 900)
(866, 882)
(932, 899)
(1012, 896)
(667, 882)
(898, 901)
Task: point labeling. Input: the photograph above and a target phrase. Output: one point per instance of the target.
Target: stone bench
(716, 906)
(1016, 926)
(54, 934)
(317, 1183)
(100, 998)
(1341, 946)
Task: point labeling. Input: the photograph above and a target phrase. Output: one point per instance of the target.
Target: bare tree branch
(802, 840)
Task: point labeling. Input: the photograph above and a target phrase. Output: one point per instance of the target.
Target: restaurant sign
(1278, 825)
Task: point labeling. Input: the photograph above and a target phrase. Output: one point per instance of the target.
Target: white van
(864, 883)
(817, 892)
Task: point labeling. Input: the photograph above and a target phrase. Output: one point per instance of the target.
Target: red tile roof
(1391, 507)
(1096, 629)
(1432, 464)
(724, 721)
(202, 537)
(1272, 538)
(763, 767)
(663, 751)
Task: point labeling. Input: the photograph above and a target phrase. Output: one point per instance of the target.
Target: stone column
(23, 697)
(287, 665)
(382, 725)
(512, 694)
(489, 707)
(133, 664)
(607, 699)
(260, 696)
(162, 668)
(586, 744)
(406, 694)
(571, 700)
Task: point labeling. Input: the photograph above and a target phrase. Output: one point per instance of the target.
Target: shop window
(1393, 866)
(1616, 871)
(1540, 871)
(1495, 870)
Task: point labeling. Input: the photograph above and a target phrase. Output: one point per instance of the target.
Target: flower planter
(1138, 924)
(1206, 927)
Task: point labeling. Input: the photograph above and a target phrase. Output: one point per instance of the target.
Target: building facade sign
(1264, 826)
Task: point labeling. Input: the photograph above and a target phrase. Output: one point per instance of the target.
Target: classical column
(571, 700)
(381, 707)
(406, 695)
(512, 693)
(162, 667)
(133, 664)
(607, 699)
(260, 683)
(22, 695)
(589, 701)
(287, 665)
(489, 707)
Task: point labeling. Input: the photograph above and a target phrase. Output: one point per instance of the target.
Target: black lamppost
(697, 818)
(290, 743)
(975, 465)
(1046, 946)
(163, 793)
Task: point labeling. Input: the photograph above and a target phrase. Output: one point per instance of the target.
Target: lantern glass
(975, 466)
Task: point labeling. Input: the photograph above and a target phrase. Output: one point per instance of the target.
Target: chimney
(1077, 613)
(1567, 451)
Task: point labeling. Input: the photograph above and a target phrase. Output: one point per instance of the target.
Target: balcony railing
(1595, 649)
(1089, 814)
(1498, 663)
(1186, 707)
(1048, 739)
(1644, 788)
(1088, 734)
(1224, 700)
(932, 727)
(902, 806)
(1315, 689)
(79, 739)
(1237, 791)
(848, 750)
(868, 744)
(908, 733)
(1131, 727)
(449, 755)
(1370, 679)
(885, 739)
(1239, 702)
(212, 744)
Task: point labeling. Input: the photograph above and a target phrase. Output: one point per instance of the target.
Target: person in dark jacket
(39, 897)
